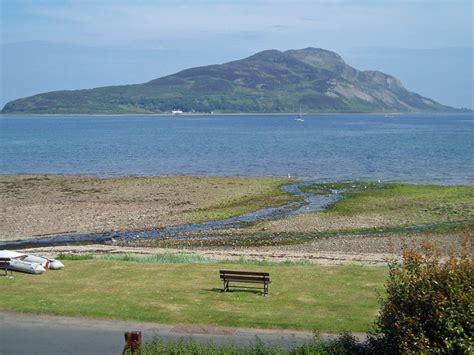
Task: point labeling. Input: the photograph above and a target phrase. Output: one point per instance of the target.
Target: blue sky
(52, 44)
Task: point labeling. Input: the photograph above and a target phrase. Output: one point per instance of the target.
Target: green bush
(429, 303)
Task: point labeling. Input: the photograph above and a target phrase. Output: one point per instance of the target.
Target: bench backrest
(4, 260)
(250, 275)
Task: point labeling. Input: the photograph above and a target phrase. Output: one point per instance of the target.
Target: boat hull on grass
(25, 266)
(28, 263)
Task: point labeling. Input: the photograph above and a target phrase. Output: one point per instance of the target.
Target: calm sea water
(430, 148)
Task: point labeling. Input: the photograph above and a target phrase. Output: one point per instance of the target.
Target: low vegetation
(329, 299)
(170, 258)
(269, 196)
(383, 205)
(406, 203)
(344, 344)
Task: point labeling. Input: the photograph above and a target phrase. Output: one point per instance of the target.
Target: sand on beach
(43, 205)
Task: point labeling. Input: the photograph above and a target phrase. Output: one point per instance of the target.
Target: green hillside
(316, 80)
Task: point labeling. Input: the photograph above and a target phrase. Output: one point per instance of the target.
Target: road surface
(22, 333)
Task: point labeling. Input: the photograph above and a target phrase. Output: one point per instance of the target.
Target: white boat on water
(176, 112)
(28, 263)
(300, 117)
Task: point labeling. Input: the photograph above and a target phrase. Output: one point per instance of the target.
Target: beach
(43, 205)
(35, 206)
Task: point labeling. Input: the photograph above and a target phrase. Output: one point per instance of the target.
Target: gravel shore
(367, 250)
(43, 205)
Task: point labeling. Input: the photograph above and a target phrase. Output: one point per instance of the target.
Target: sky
(51, 44)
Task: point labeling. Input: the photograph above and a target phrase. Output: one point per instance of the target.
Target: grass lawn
(327, 299)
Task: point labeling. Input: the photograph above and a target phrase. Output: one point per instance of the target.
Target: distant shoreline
(52, 175)
(230, 114)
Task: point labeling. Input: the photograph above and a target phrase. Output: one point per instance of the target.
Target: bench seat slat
(241, 279)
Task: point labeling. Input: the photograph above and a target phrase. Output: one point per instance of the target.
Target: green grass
(416, 203)
(401, 204)
(316, 189)
(329, 299)
(270, 195)
(172, 258)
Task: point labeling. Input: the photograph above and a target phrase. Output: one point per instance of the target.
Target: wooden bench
(5, 264)
(262, 278)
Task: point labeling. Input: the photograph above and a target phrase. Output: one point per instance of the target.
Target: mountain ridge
(271, 81)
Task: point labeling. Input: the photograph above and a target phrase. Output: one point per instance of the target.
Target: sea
(434, 148)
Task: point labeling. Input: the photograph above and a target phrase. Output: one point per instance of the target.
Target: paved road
(42, 334)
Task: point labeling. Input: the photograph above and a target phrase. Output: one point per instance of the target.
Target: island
(311, 79)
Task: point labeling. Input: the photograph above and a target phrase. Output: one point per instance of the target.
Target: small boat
(28, 263)
(300, 117)
(26, 266)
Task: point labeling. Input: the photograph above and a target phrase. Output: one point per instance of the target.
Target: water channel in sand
(309, 202)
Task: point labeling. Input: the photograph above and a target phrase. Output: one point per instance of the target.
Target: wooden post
(133, 340)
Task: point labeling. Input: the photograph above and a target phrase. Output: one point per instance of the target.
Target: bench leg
(226, 286)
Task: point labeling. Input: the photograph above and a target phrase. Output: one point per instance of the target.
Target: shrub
(429, 303)
(344, 344)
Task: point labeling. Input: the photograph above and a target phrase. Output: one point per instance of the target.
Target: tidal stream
(308, 202)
